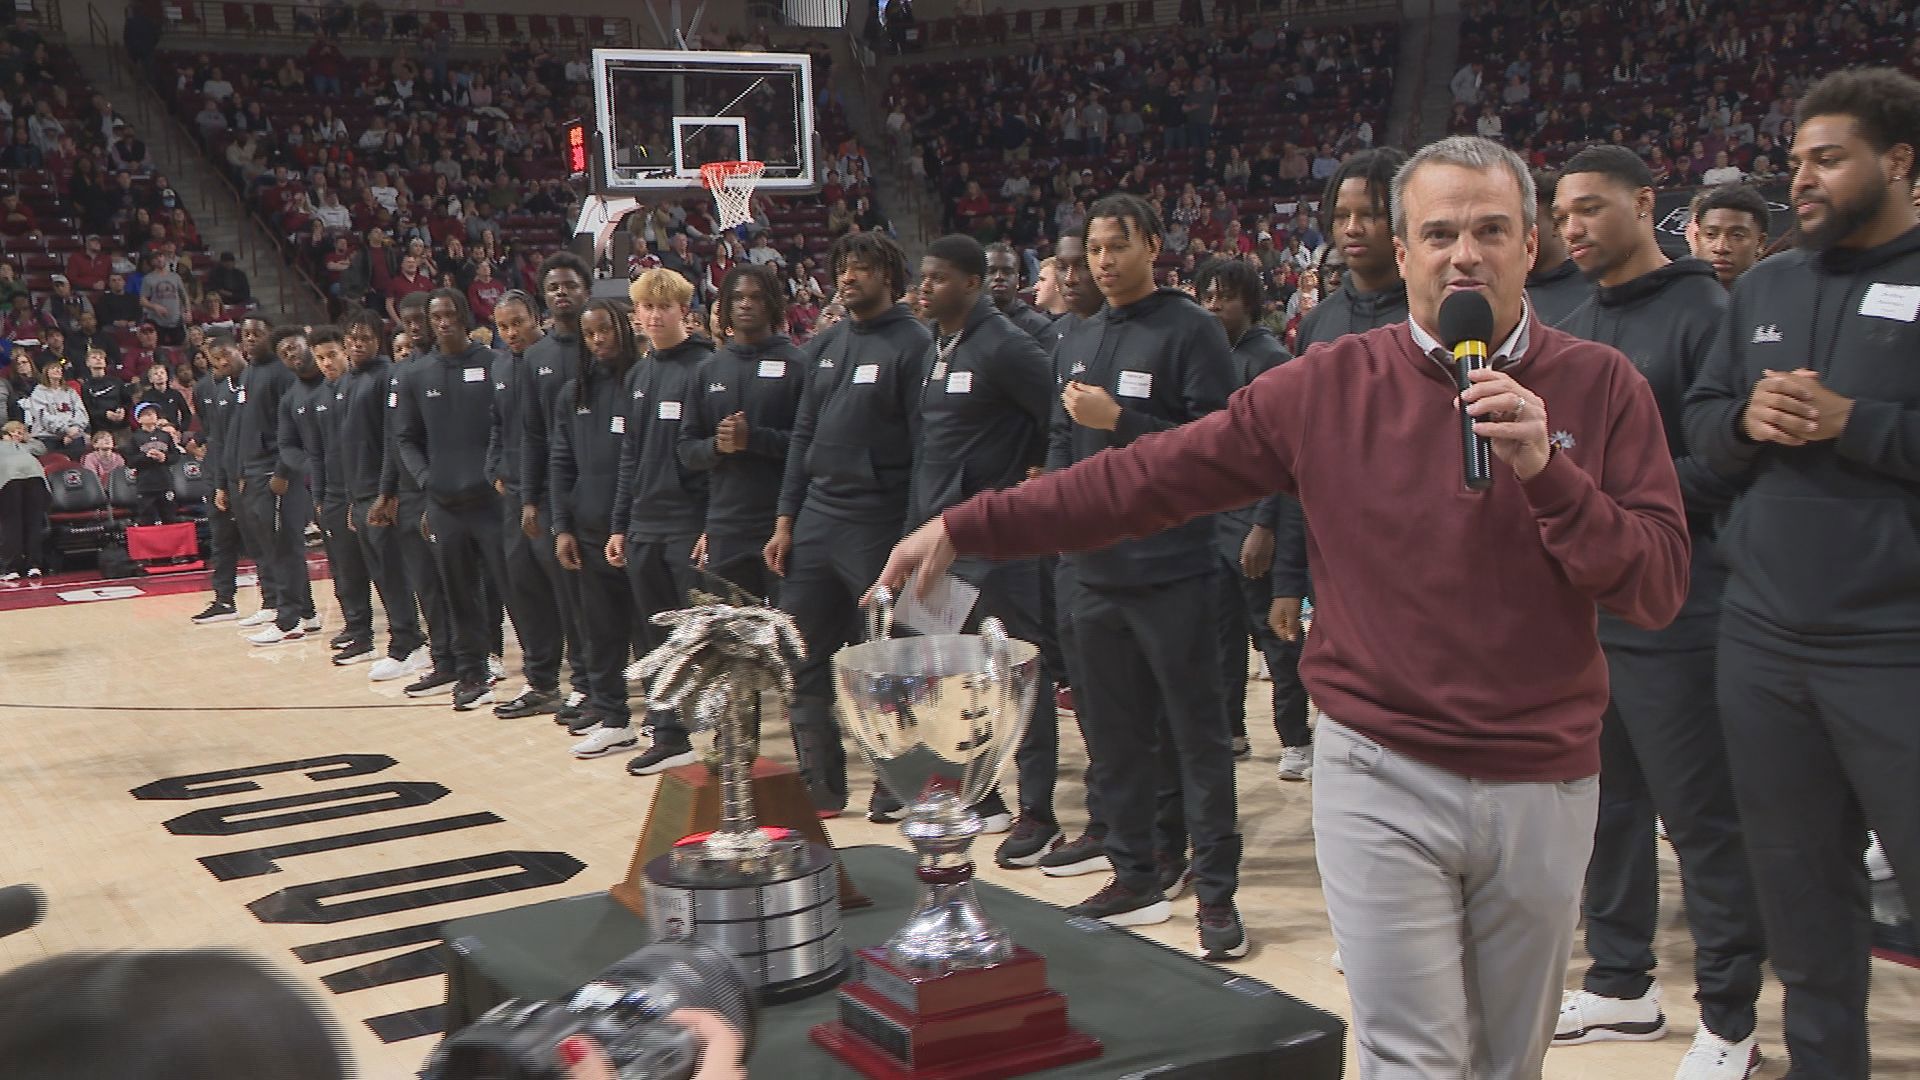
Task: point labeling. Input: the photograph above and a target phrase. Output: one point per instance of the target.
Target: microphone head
(21, 908)
(1465, 316)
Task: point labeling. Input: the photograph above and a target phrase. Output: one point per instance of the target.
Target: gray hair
(1468, 152)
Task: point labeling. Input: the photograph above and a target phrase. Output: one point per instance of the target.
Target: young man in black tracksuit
(272, 509)
(1661, 747)
(843, 499)
(1810, 401)
(1555, 286)
(1003, 286)
(983, 420)
(659, 505)
(302, 441)
(445, 419)
(1143, 611)
(551, 363)
(590, 425)
(310, 437)
(213, 402)
(738, 424)
(364, 416)
(1230, 290)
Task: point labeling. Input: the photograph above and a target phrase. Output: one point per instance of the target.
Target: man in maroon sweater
(1454, 650)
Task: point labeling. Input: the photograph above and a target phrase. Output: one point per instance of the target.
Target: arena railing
(235, 18)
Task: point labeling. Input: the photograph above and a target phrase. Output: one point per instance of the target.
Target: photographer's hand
(722, 1050)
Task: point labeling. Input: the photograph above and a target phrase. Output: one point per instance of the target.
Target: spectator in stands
(10, 286)
(17, 153)
(157, 389)
(87, 338)
(151, 451)
(411, 279)
(63, 307)
(22, 322)
(55, 414)
(163, 296)
(115, 306)
(145, 353)
(229, 282)
(484, 292)
(24, 501)
(108, 399)
(129, 154)
(1722, 172)
(89, 267)
(210, 121)
(16, 217)
(104, 459)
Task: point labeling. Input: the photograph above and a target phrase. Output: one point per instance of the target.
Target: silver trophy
(767, 896)
(940, 716)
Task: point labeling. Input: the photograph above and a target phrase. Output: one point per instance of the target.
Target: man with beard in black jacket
(213, 402)
(270, 508)
(983, 421)
(1555, 285)
(363, 437)
(738, 425)
(1003, 285)
(1143, 613)
(843, 498)
(1810, 400)
(1661, 747)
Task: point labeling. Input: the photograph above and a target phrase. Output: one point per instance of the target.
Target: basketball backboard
(661, 114)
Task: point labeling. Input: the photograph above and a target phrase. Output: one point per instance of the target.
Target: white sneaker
(1878, 868)
(1337, 964)
(602, 741)
(575, 699)
(311, 625)
(387, 669)
(1714, 1058)
(1296, 763)
(995, 824)
(419, 661)
(258, 619)
(1586, 1017)
(273, 635)
(496, 669)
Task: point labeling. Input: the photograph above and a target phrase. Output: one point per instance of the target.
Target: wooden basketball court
(171, 786)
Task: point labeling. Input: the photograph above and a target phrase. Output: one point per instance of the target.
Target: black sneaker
(1117, 905)
(353, 652)
(1030, 840)
(1084, 854)
(217, 612)
(662, 757)
(531, 702)
(569, 710)
(883, 808)
(434, 683)
(469, 696)
(1175, 874)
(341, 640)
(1222, 935)
(582, 723)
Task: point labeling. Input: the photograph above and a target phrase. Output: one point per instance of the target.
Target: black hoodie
(1823, 545)
(362, 432)
(1164, 360)
(983, 413)
(658, 498)
(102, 396)
(445, 415)
(1556, 291)
(764, 381)
(1033, 321)
(551, 364)
(303, 438)
(1665, 322)
(256, 433)
(1256, 353)
(213, 402)
(584, 462)
(851, 452)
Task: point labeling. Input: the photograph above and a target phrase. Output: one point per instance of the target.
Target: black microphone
(1466, 322)
(21, 907)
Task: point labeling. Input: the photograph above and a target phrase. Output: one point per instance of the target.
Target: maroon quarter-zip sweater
(1457, 628)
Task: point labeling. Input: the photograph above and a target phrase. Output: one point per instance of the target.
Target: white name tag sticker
(960, 382)
(1135, 384)
(773, 369)
(1898, 302)
(475, 374)
(669, 410)
(866, 373)
(619, 425)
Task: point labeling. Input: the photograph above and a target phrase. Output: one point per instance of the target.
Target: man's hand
(775, 553)
(1256, 552)
(731, 436)
(1794, 409)
(699, 556)
(567, 551)
(1090, 406)
(116, 415)
(530, 522)
(1283, 618)
(277, 485)
(923, 556)
(1511, 418)
(500, 487)
(384, 512)
(616, 553)
(220, 499)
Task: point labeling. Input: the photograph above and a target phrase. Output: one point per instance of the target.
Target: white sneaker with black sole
(273, 635)
(259, 619)
(1588, 1017)
(353, 652)
(602, 741)
(468, 696)
(1714, 1058)
(660, 759)
(1084, 854)
(432, 684)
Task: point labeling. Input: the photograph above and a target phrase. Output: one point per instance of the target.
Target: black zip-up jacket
(1033, 321)
(765, 382)
(1823, 544)
(507, 434)
(1665, 322)
(445, 415)
(214, 399)
(983, 413)
(1256, 353)
(851, 453)
(363, 427)
(303, 442)
(335, 484)
(102, 396)
(584, 465)
(1164, 361)
(551, 363)
(658, 498)
(257, 430)
(1348, 311)
(1556, 291)
(1049, 338)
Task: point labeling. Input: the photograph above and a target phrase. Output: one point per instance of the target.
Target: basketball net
(732, 184)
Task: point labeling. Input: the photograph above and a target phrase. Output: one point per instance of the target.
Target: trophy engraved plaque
(949, 996)
(766, 896)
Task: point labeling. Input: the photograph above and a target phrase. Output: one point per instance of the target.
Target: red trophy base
(983, 1024)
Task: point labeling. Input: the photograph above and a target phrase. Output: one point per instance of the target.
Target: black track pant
(422, 568)
(661, 573)
(740, 560)
(223, 536)
(1662, 752)
(533, 600)
(1066, 588)
(276, 527)
(1244, 603)
(1013, 592)
(1824, 746)
(607, 625)
(380, 552)
(352, 582)
(471, 551)
(24, 505)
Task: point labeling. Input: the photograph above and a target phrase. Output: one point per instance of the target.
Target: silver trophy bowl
(940, 716)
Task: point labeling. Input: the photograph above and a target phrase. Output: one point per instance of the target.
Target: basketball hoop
(732, 185)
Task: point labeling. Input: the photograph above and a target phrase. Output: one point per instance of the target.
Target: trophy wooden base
(1001, 1021)
(688, 801)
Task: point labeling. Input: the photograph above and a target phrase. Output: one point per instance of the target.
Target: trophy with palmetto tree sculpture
(766, 895)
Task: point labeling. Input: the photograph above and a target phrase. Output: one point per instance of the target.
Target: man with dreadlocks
(1353, 214)
(843, 498)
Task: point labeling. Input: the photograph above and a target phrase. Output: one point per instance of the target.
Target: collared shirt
(1511, 349)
